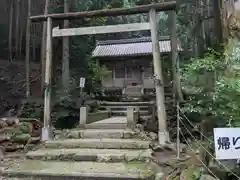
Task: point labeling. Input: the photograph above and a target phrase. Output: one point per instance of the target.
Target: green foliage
(56, 6)
(192, 173)
(198, 80)
(33, 110)
(213, 84)
(227, 91)
(95, 74)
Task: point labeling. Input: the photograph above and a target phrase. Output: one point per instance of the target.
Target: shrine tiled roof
(130, 47)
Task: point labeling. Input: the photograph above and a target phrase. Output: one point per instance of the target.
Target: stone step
(97, 155)
(126, 103)
(106, 126)
(118, 122)
(99, 133)
(54, 170)
(125, 107)
(124, 112)
(98, 143)
(149, 117)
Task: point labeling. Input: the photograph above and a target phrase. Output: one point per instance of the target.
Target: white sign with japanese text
(227, 143)
(82, 82)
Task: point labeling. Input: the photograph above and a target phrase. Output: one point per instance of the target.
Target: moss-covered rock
(207, 177)
(21, 138)
(191, 173)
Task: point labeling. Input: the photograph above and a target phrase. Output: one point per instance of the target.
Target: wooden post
(163, 135)
(28, 28)
(166, 6)
(47, 130)
(43, 46)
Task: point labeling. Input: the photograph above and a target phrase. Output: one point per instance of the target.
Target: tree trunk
(217, 21)
(10, 29)
(28, 32)
(43, 47)
(174, 56)
(20, 42)
(65, 57)
(17, 29)
(34, 41)
(203, 28)
(22, 20)
(231, 20)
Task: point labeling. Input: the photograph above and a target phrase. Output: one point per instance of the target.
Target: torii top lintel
(166, 6)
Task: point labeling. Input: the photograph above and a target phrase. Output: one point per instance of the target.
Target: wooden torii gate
(152, 9)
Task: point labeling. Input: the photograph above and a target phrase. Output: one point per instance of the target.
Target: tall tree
(28, 28)
(65, 48)
(17, 28)
(22, 25)
(217, 21)
(10, 29)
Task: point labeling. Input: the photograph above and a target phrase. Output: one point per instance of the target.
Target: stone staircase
(107, 151)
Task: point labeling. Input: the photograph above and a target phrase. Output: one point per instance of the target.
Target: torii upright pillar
(47, 128)
(163, 135)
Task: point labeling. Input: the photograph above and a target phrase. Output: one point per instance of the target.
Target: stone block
(98, 144)
(163, 137)
(83, 117)
(131, 117)
(47, 133)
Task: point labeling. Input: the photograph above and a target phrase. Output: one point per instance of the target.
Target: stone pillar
(83, 117)
(137, 108)
(131, 117)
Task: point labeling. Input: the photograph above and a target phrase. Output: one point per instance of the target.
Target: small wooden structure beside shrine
(131, 65)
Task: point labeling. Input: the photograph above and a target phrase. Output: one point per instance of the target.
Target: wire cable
(223, 165)
(211, 141)
(209, 170)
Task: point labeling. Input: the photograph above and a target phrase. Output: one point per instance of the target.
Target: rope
(209, 170)
(211, 141)
(223, 165)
